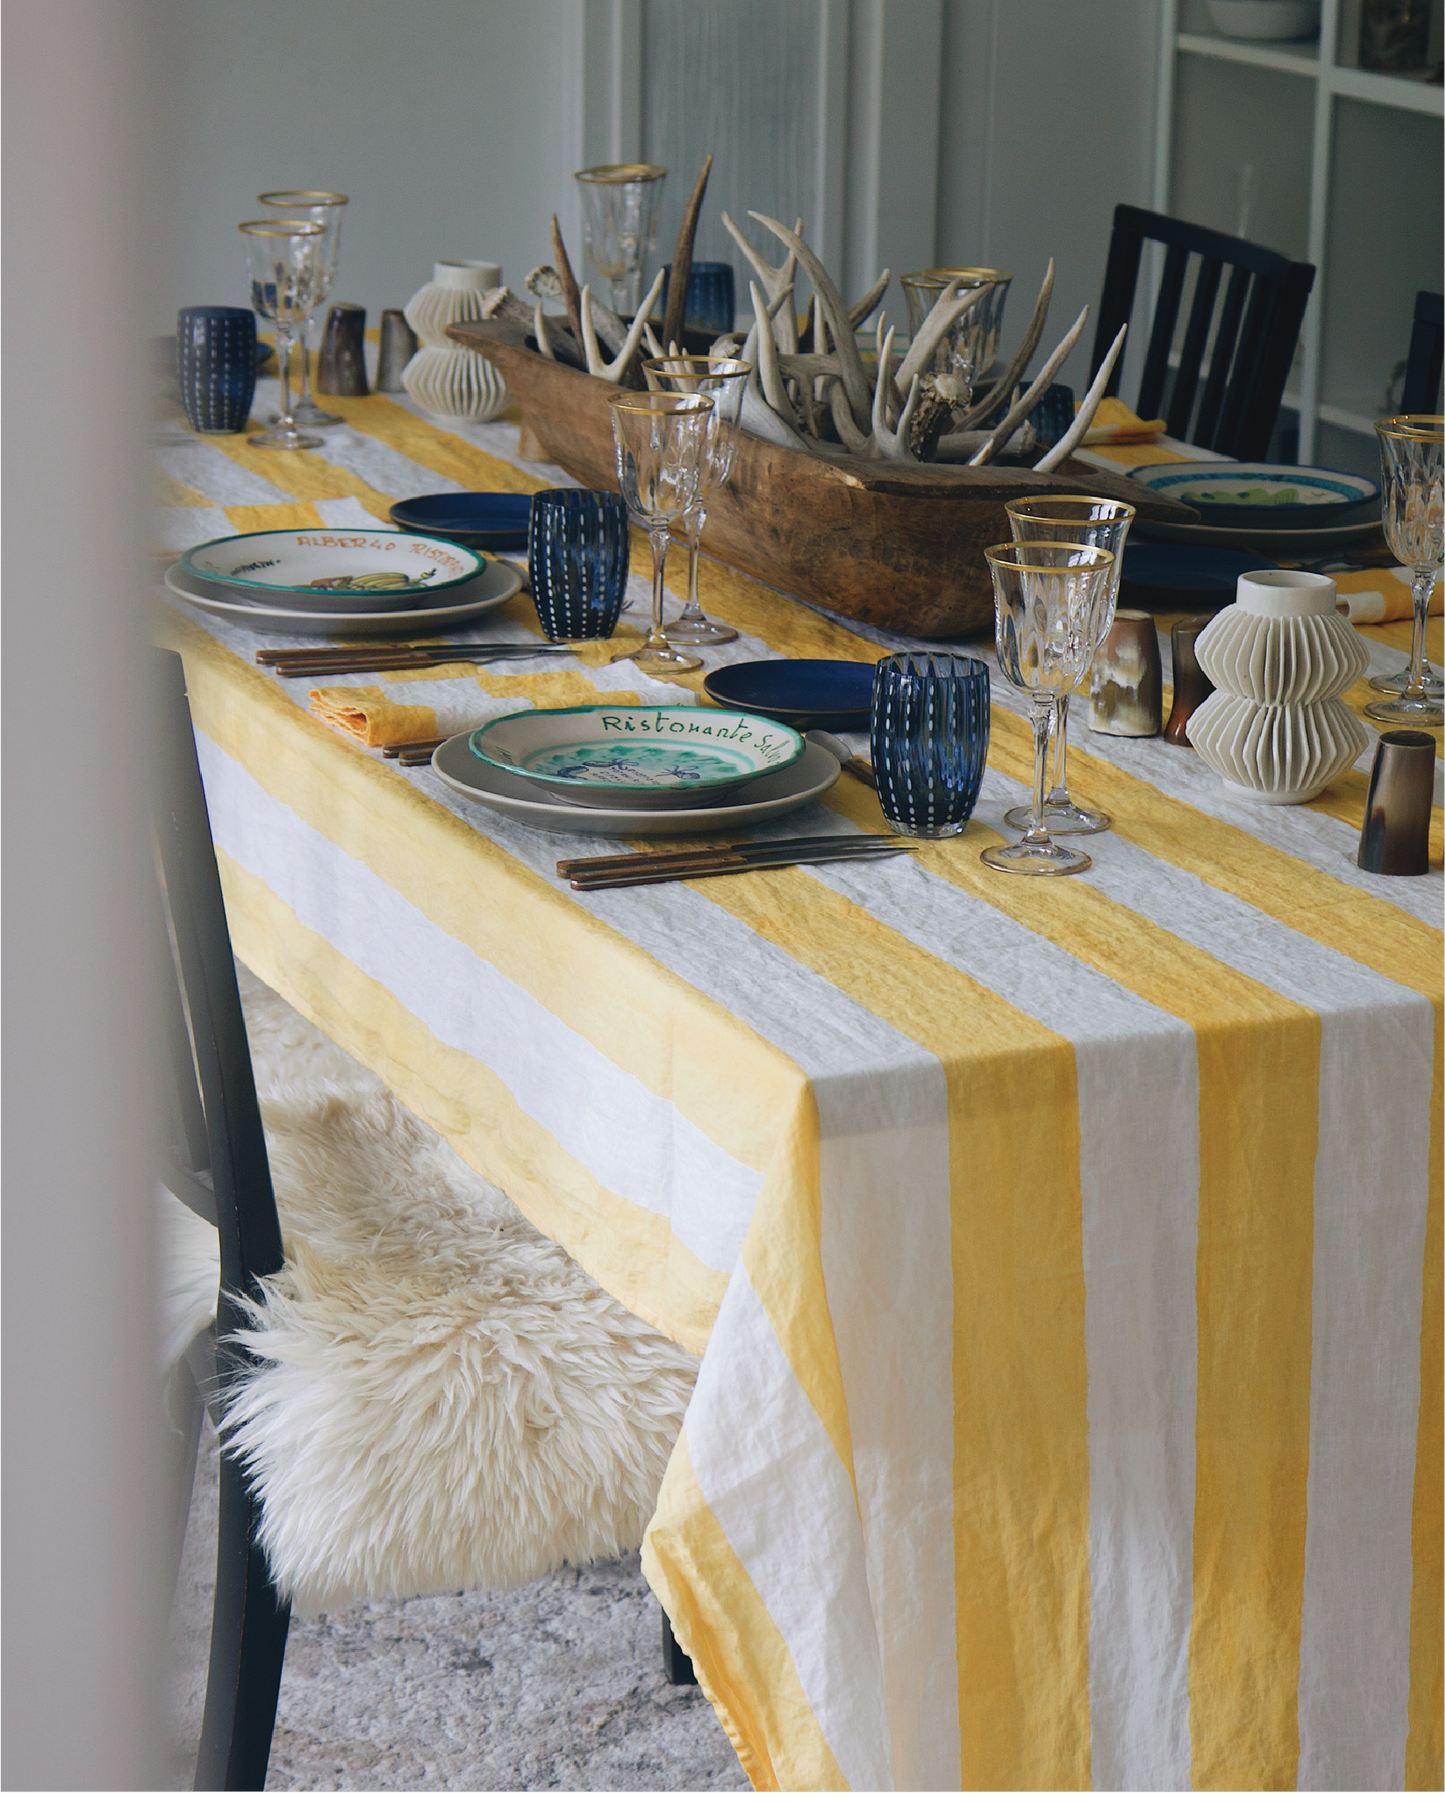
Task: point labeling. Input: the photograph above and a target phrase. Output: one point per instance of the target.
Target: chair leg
(184, 1410)
(248, 1647)
(675, 1664)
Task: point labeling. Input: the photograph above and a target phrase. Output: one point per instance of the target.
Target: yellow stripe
(306, 475)
(169, 492)
(741, 1660)
(626, 1248)
(1020, 1417)
(1425, 1746)
(273, 517)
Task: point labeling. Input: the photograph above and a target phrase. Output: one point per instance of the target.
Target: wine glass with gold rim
(1050, 606)
(662, 443)
(620, 203)
(324, 209)
(283, 263)
(724, 378)
(1412, 468)
(1070, 520)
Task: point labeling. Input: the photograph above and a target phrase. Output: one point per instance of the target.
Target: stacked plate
(623, 771)
(488, 521)
(328, 580)
(1283, 508)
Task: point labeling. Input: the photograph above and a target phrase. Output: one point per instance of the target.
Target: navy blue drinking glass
(577, 551)
(216, 366)
(711, 297)
(929, 740)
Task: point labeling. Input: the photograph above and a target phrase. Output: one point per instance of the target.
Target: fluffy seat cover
(445, 1399)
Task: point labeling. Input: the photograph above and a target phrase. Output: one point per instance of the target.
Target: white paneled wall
(904, 132)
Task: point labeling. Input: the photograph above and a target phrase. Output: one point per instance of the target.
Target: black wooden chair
(216, 1164)
(1421, 393)
(1226, 382)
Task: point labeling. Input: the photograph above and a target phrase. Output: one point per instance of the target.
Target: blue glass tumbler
(216, 366)
(711, 296)
(929, 740)
(577, 552)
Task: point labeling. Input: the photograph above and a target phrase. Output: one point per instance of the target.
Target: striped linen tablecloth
(1066, 1256)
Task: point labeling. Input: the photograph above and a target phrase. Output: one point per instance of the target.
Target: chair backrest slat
(1254, 341)
(1421, 393)
(217, 1049)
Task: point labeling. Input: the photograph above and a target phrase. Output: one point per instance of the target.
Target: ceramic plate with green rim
(1276, 497)
(636, 757)
(336, 570)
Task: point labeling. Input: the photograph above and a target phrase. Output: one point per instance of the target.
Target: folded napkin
(1116, 424)
(366, 714)
(1374, 596)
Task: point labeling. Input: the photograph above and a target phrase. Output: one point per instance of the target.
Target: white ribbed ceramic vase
(442, 377)
(1280, 657)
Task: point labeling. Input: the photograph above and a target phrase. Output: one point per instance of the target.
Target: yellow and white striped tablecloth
(1066, 1256)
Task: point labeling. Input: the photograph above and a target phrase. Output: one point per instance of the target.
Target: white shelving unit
(1310, 98)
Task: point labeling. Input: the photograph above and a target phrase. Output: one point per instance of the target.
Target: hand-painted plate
(637, 757)
(764, 799)
(1272, 496)
(343, 570)
(800, 692)
(488, 522)
(497, 584)
(1184, 579)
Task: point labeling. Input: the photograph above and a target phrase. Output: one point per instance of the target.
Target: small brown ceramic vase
(1126, 685)
(398, 347)
(1395, 840)
(341, 361)
(1191, 686)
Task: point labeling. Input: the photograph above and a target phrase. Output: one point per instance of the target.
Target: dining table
(1064, 1258)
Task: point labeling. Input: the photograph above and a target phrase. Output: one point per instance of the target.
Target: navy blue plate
(1188, 579)
(799, 692)
(488, 522)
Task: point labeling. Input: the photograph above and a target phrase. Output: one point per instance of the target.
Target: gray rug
(556, 1686)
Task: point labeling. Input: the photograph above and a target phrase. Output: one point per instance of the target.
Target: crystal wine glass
(283, 258)
(322, 209)
(1070, 520)
(724, 378)
(662, 442)
(1413, 515)
(619, 224)
(1051, 603)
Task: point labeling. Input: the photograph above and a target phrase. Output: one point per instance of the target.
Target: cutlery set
(349, 661)
(625, 870)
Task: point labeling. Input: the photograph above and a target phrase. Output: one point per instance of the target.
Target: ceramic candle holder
(442, 377)
(1191, 686)
(1126, 684)
(1280, 657)
(341, 361)
(1395, 838)
(398, 346)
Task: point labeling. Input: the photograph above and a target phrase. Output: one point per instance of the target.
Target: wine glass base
(1036, 859)
(306, 413)
(1400, 682)
(283, 439)
(699, 633)
(653, 662)
(1408, 711)
(1064, 817)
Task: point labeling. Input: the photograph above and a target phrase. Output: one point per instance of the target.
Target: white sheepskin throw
(446, 1399)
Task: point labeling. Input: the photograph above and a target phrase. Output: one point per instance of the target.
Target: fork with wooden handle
(625, 870)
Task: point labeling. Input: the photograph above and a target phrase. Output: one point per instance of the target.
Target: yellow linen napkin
(1116, 424)
(1380, 595)
(366, 715)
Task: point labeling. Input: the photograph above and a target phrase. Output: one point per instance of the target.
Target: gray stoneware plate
(764, 799)
(497, 584)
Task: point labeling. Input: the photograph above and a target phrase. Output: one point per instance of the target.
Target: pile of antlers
(823, 397)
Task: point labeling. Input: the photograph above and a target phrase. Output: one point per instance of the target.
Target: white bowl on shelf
(1265, 19)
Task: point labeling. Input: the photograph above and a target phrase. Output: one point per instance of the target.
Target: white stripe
(764, 1462)
(633, 1142)
(346, 510)
(1138, 1101)
(178, 529)
(220, 479)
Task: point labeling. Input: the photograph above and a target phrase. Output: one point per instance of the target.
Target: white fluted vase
(442, 377)
(1280, 658)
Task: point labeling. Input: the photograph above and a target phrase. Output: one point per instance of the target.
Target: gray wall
(904, 132)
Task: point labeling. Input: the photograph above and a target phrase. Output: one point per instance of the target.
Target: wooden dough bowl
(898, 546)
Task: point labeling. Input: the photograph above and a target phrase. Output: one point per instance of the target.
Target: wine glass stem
(694, 540)
(301, 338)
(1420, 594)
(1058, 787)
(283, 371)
(658, 536)
(1043, 709)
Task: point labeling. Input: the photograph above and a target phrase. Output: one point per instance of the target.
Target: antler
(892, 444)
(855, 383)
(860, 310)
(945, 311)
(776, 281)
(676, 314)
(1020, 362)
(614, 371)
(1053, 458)
(1021, 408)
(771, 377)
